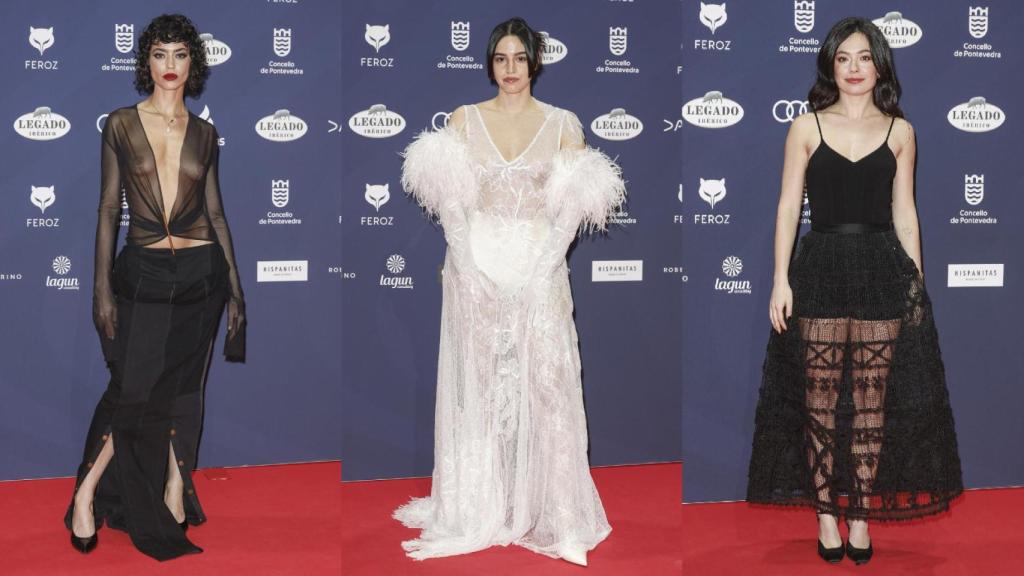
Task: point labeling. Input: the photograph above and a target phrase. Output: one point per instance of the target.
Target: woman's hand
(236, 315)
(104, 314)
(781, 305)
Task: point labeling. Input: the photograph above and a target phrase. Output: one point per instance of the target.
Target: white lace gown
(510, 437)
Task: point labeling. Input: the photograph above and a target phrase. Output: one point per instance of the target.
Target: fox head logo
(43, 197)
(40, 38)
(377, 36)
(377, 195)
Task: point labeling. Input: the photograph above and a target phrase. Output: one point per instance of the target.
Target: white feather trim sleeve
(438, 171)
(586, 183)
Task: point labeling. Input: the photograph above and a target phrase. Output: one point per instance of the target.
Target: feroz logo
(43, 197)
(218, 52)
(974, 188)
(617, 271)
(40, 38)
(899, 31)
(803, 15)
(281, 126)
(124, 37)
(42, 124)
(282, 41)
(617, 125)
(713, 16)
(712, 110)
(712, 191)
(61, 266)
(554, 49)
(460, 35)
(974, 275)
(977, 21)
(395, 265)
(376, 122)
(377, 195)
(377, 36)
(787, 110)
(976, 115)
(279, 193)
(618, 40)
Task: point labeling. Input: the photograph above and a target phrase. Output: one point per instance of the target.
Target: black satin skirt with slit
(168, 307)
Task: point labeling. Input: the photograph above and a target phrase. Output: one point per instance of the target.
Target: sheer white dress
(510, 437)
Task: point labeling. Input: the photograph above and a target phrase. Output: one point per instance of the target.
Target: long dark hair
(887, 89)
(168, 29)
(533, 42)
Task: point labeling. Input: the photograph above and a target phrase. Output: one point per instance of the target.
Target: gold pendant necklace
(170, 122)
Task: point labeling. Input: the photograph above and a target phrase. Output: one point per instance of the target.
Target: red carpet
(980, 536)
(642, 503)
(272, 520)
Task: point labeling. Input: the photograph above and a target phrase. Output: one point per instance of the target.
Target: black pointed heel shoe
(84, 545)
(859, 555)
(830, 555)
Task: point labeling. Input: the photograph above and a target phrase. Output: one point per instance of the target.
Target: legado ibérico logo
(42, 124)
(281, 126)
(976, 115)
(899, 31)
(376, 122)
(617, 125)
(712, 110)
(554, 49)
(217, 52)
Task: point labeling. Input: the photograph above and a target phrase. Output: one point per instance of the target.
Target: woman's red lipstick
(170, 76)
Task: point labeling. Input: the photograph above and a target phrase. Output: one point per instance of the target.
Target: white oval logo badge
(712, 110)
(554, 50)
(899, 31)
(976, 115)
(617, 125)
(281, 126)
(217, 52)
(377, 122)
(42, 124)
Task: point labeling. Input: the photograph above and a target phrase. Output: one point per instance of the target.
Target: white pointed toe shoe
(573, 553)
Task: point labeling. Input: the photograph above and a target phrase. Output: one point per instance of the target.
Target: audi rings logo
(787, 110)
(439, 121)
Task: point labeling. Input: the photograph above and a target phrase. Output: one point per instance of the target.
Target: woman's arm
(104, 307)
(787, 219)
(904, 210)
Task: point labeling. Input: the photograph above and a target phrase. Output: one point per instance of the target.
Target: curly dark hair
(168, 29)
(532, 41)
(887, 89)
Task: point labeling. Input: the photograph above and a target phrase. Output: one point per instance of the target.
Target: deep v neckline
(156, 165)
(487, 133)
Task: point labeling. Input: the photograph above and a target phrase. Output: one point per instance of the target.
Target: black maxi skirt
(168, 307)
(853, 417)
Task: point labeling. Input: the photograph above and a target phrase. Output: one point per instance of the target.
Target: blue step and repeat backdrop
(411, 62)
(273, 91)
(747, 67)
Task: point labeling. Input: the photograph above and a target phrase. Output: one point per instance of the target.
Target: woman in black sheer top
(158, 304)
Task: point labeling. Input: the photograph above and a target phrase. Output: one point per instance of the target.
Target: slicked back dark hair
(532, 40)
(169, 29)
(887, 89)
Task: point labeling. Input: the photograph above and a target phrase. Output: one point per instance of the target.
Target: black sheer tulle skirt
(168, 306)
(853, 417)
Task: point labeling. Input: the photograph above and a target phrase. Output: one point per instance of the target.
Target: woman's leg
(872, 346)
(175, 488)
(82, 520)
(824, 346)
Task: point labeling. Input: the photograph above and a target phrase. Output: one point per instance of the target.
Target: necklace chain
(170, 121)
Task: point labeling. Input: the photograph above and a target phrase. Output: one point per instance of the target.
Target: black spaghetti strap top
(841, 191)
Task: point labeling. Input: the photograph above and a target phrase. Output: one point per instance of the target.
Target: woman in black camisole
(158, 304)
(853, 418)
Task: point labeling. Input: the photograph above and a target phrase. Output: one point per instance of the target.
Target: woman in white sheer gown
(511, 182)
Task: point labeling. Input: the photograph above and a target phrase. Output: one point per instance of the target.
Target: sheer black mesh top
(128, 162)
(842, 191)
